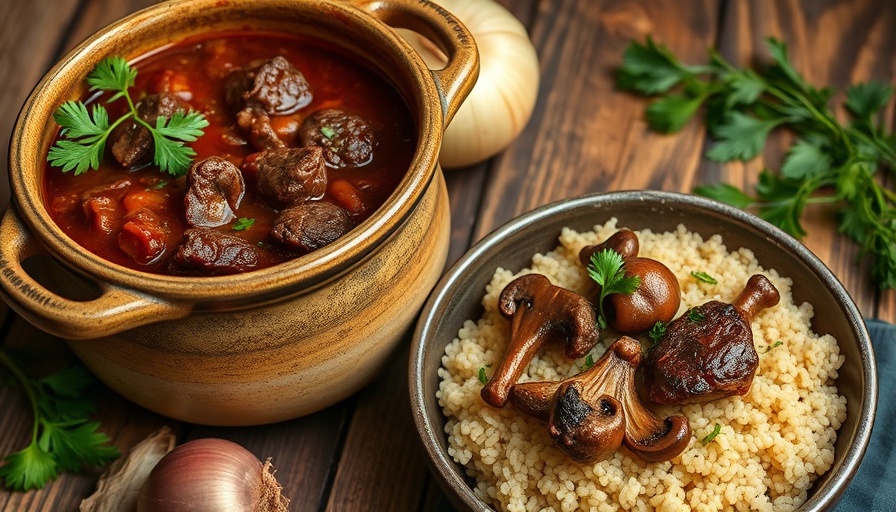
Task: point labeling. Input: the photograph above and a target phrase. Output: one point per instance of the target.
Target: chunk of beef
(347, 139)
(274, 87)
(257, 127)
(215, 189)
(708, 352)
(291, 175)
(102, 205)
(209, 252)
(145, 236)
(311, 225)
(131, 144)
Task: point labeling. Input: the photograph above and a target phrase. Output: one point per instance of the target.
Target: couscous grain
(773, 442)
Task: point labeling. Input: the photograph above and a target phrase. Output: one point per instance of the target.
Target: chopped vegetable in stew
(301, 139)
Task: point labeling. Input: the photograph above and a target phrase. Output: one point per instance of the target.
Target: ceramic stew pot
(267, 345)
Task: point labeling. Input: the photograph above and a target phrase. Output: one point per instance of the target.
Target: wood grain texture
(584, 136)
(27, 54)
(831, 44)
(381, 466)
(363, 453)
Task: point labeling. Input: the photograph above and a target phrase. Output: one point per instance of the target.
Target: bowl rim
(449, 473)
(304, 272)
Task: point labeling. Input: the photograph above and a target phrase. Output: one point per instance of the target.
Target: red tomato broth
(200, 66)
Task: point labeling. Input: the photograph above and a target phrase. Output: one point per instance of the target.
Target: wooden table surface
(363, 453)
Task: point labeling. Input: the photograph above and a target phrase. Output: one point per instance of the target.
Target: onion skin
(502, 101)
(207, 475)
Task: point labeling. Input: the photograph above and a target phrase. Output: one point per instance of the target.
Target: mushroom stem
(586, 412)
(540, 312)
(758, 294)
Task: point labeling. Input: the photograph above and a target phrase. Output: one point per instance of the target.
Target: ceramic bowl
(458, 296)
(267, 345)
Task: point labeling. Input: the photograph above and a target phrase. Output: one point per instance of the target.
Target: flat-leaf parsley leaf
(606, 270)
(62, 437)
(83, 135)
(830, 161)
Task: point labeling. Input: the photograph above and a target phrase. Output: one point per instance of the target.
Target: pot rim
(304, 272)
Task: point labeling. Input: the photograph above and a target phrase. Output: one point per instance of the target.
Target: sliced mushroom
(539, 313)
(658, 295)
(708, 352)
(585, 413)
(215, 190)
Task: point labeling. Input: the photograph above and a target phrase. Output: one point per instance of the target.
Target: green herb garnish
(657, 331)
(483, 378)
(243, 223)
(589, 362)
(829, 162)
(712, 435)
(327, 132)
(606, 270)
(769, 347)
(62, 439)
(703, 276)
(83, 137)
(695, 316)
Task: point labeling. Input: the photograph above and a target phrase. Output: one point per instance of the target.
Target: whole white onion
(502, 101)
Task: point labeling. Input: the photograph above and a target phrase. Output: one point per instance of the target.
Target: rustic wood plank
(125, 423)
(382, 465)
(22, 69)
(832, 44)
(585, 136)
(99, 13)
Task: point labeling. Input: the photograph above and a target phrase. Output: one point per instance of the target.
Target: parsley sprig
(82, 141)
(606, 270)
(829, 162)
(62, 439)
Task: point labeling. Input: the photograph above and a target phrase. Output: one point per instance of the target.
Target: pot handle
(115, 310)
(457, 78)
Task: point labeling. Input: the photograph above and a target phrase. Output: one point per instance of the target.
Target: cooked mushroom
(657, 297)
(539, 312)
(215, 190)
(708, 352)
(591, 414)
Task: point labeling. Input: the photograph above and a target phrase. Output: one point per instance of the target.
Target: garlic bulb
(501, 103)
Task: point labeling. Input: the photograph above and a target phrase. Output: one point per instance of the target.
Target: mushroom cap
(539, 313)
(586, 431)
(656, 299)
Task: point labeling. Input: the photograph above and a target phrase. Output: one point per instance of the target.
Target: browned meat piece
(211, 253)
(131, 144)
(311, 225)
(257, 127)
(102, 205)
(144, 236)
(291, 175)
(347, 140)
(708, 352)
(215, 189)
(274, 87)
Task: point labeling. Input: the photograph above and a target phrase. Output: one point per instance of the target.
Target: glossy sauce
(196, 71)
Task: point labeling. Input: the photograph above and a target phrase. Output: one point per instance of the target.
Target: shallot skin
(211, 474)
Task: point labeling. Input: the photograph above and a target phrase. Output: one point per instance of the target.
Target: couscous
(771, 443)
